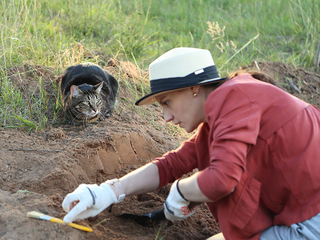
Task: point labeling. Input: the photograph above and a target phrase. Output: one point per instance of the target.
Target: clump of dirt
(38, 169)
(297, 81)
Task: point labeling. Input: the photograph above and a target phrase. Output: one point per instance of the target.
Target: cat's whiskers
(77, 118)
(85, 121)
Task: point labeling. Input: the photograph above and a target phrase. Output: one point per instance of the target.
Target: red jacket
(261, 141)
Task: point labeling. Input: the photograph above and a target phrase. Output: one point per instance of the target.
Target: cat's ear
(75, 91)
(98, 87)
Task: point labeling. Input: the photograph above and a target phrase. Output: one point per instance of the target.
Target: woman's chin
(188, 130)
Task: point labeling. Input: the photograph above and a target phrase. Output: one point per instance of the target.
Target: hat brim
(150, 98)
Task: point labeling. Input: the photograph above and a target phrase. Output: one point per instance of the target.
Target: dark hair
(255, 74)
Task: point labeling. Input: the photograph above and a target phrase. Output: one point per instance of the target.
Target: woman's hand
(88, 200)
(176, 208)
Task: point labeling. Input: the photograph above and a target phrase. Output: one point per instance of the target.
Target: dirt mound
(39, 169)
(299, 82)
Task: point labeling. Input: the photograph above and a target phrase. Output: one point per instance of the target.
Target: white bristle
(34, 214)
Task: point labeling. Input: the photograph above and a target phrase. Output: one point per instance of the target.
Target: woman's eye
(165, 103)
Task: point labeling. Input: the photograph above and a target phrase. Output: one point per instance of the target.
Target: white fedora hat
(180, 68)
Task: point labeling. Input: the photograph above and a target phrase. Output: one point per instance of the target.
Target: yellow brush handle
(77, 226)
(87, 229)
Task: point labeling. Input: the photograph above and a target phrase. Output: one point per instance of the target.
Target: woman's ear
(195, 90)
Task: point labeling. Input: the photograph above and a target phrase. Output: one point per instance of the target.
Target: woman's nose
(167, 116)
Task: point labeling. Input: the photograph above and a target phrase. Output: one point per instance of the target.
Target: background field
(57, 34)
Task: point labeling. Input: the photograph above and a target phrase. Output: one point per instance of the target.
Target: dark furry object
(88, 93)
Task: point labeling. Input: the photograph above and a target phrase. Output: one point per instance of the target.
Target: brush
(42, 216)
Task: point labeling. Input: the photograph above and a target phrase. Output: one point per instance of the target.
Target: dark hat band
(192, 79)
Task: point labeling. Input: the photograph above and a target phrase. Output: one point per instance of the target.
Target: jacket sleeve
(175, 164)
(233, 118)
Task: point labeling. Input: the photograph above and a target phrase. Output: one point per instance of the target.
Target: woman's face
(182, 108)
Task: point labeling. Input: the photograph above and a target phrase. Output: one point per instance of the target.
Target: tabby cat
(88, 93)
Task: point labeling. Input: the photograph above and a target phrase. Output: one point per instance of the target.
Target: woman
(256, 148)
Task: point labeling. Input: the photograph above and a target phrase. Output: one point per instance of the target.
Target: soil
(39, 168)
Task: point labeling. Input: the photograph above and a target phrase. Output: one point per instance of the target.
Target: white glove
(88, 200)
(176, 208)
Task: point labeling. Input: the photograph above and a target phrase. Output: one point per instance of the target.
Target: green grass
(57, 34)
(158, 234)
